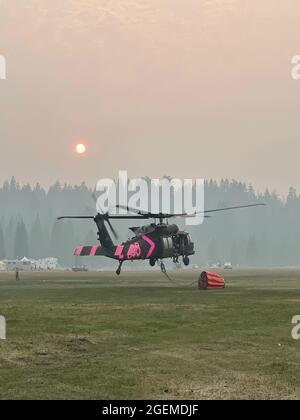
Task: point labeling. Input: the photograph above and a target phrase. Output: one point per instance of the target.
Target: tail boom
(89, 251)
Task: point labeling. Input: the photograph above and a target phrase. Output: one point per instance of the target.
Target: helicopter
(154, 242)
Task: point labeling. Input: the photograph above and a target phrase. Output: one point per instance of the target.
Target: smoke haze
(158, 87)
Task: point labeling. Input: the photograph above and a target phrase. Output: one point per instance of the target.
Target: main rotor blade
(186, 216)
(154, 215)
(132, 210)
(231, 208)
(149, 215)
(75, 217)
(168, 216)
(129, 217)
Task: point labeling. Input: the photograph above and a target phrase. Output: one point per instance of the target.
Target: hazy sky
(190, 88)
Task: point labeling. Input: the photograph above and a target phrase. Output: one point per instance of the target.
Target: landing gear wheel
(186, 261)
(118, 272)
(152, 263)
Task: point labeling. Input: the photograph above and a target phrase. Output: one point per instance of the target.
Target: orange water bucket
(209, 280)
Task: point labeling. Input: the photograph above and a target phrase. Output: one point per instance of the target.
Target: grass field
(97, 336)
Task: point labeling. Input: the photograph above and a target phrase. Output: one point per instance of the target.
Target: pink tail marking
(119, 252)
(78, 250)
(93, 250)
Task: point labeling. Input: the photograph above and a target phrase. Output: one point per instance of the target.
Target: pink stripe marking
(78, 250)
(93, 250)
(152, 245)
(119, 252)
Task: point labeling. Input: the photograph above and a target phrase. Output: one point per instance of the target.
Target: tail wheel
(186, 260)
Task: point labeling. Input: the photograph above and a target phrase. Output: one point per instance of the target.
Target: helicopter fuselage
(152, 242)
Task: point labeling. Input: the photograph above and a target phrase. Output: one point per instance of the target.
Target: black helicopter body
(154, 242)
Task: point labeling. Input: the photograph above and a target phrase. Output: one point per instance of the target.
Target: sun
(80, 149)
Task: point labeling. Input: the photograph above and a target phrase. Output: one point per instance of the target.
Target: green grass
(97, 336)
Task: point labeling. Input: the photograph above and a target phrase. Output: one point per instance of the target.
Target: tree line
(263, 236)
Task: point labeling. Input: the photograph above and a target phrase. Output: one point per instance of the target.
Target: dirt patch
(234, 386)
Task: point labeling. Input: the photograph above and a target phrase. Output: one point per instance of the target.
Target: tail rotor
(105, 216)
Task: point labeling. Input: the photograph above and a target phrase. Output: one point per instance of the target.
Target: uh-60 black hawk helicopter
(153, 242)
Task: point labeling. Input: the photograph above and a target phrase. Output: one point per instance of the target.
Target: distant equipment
(24, 264)
(48, 263)
(81, 268)
(228, 266)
